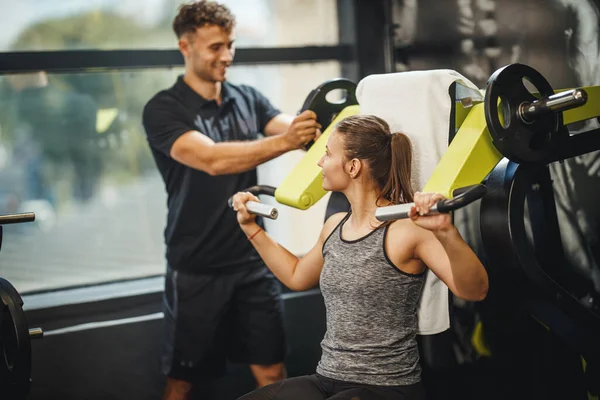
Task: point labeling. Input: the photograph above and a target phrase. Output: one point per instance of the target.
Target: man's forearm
(470, 277)
(235, 157)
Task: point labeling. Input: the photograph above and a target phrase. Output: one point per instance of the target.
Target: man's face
(208, 52)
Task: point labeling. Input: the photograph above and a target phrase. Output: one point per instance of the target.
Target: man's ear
(185, 46)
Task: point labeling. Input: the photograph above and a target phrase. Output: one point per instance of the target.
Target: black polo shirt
(202, 233)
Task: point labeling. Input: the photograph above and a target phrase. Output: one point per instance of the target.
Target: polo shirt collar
(195, 100)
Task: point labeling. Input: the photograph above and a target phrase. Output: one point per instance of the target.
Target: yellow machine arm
(474, 151)
(302, 188)
(471, 155)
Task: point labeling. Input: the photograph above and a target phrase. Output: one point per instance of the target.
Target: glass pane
(72, 150)
(33, 25)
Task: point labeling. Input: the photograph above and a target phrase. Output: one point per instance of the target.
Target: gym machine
(500, 151)
(15, 334)
(531, 133)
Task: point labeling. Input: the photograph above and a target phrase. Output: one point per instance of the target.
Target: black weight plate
(15, 343)
(518, 140)
(325, 110)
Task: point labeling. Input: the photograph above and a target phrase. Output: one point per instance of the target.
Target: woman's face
(335, 177)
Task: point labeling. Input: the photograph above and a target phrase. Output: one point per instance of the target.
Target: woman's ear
(354, 167)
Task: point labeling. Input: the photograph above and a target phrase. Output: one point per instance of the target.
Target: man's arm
(200, 152)
(278, 124)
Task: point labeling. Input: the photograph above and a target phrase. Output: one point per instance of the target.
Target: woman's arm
(453, 261)
(441, 247)
(297, 274)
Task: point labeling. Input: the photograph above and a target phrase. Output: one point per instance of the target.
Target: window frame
(110, 60)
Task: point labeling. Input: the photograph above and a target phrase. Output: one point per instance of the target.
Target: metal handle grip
(399, 211)
(255, 190)
(556, 103)
(262, 209)
(254, 207)
(16, 218)
(469, 194)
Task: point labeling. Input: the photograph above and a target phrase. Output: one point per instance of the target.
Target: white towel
(418, 104)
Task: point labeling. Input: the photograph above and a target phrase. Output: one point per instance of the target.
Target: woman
(370, 273)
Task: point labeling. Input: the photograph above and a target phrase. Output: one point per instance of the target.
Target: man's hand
(303, 129)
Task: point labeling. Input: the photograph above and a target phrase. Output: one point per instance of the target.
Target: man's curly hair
(199, 13)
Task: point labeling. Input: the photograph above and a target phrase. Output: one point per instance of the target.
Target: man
(220, 300)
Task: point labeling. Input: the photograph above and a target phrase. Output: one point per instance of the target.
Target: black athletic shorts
(212, 318)
(318, 387)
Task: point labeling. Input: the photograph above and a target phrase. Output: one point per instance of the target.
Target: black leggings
(318, 387)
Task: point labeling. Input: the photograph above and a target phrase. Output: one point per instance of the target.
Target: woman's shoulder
(332, 222)
(336, 218)
(406, 229)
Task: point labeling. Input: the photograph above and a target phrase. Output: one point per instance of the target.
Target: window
(32, 25)
(72, 150)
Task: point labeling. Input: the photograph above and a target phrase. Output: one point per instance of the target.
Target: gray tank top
(371, 313)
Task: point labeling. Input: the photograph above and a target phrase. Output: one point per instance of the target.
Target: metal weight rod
(36, 333)
(17, 218)
(523, 127)
(558, 102)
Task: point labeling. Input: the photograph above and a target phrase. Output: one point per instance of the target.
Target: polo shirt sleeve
(164, 122)
(265, 110)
